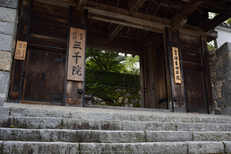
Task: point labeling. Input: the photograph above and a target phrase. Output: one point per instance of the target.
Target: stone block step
(58, 123)
(102, 136)
(212, 136)
(15, 147)
(61, 135)
(18, 147)
(170, 126)
(72, 123)
(109, 114)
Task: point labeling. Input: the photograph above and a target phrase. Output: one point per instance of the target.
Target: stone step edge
(112, 111)
(62, 118)
(83, 130)
(96, 136)
(7, 147)
(65, 123)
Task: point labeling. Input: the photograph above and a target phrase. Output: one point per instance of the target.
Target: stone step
(15, 147)
(58, 123)
(71, 123)
(102, 136)
(18, 147)
(109, 114)
(61, 135)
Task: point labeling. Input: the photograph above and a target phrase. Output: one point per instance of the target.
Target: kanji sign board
(176, 65)
(76, 55)
(20, 52)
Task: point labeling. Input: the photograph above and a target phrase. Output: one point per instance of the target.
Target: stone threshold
(126, 108)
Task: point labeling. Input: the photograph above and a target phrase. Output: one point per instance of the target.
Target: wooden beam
(145, 33)
(178, 23)
(117, 3)
(211, 35)
(156, 9)
(147, 8)
(167, 3)
(134, 5)
(187, 10)
(214, 5)
(151, 39)
(128, 30)
(61, 3)
(113, 32)
(138, 20)
(210, 24)
(103, 34)
(192, 30)
(115, 45)
(80, 5)
(180, 18)
(126, 23)
(137, 31)
(121, 16)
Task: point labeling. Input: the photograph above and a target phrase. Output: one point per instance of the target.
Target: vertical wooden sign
(20, 52)
(76, 57)
(176, 65)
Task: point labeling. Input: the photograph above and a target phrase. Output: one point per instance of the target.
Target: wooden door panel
(195, 91)
(34, 88)
(45, 77)
(160, 80)
(54, 76)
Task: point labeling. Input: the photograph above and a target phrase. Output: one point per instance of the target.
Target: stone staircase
(35, 129)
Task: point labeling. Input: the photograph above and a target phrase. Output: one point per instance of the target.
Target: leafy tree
(130, 65)
(228, 21)
(210, 45)
(104, 60)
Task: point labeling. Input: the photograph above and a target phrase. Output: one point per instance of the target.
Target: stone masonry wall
(220, 67)
(8, 30)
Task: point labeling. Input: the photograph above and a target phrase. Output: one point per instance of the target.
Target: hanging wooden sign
(176, 65)
(76, 55)
(20, 52)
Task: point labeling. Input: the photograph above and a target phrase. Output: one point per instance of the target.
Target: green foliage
(12, 126)
(228, 21)
(130, 65)
(104, 81)
(111, 86)
(111, 93)
(210, 46)
(137, 105)
(104, 60)
(112, 78)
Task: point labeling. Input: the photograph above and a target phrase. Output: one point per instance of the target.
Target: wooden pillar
(142, 84)
(146, 79)
(178, 91)
(75, 87)
(17, 72)
(208, 87)
(167, 72)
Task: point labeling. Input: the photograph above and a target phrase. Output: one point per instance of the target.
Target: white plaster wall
(224, 35)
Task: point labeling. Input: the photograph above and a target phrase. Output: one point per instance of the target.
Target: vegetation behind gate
(113, 88)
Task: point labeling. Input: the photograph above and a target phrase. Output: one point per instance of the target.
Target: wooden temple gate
(170, 37)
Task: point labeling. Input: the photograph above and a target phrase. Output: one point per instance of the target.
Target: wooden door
(154, 76)
(44, 77)
(194, 80)
(160, 87)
